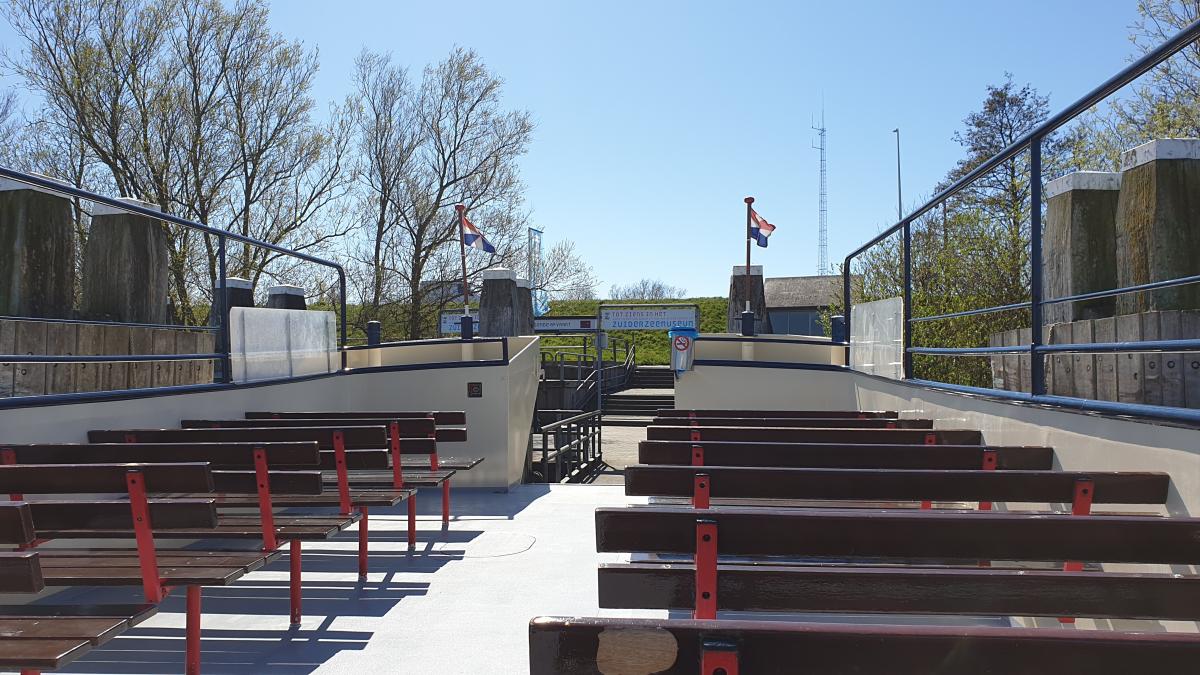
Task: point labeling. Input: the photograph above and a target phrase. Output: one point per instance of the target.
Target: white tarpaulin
(877, 338)
(272, 343)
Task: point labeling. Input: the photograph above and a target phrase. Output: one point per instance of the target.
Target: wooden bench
(447, 430)
(452, 418)
(559, 645)
(343, 451)
(800, 422)
(448, 425)
(843, 455)
(135, 516)
(794, 435)
(720, 482)
(234, 490)
(779, 414)
(35, 638)
(825, 544)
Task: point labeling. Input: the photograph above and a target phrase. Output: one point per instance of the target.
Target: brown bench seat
(683, 432)
(448, 425)
(448, 418)
(1111, 487)
(781, 414)
(798, 422)
(843, 455)
(135, 517)
(560, 645)
(46, 637)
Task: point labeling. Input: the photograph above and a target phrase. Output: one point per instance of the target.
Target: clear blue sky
(655, 119)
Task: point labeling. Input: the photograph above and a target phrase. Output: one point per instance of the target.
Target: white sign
(451, 323)
(651, 318)
(564, 324)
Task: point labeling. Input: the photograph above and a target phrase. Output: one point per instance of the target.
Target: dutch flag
(760, 229)
(474, 238)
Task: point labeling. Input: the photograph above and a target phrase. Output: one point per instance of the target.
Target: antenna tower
(823, 208)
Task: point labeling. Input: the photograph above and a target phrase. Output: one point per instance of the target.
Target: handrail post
(1037, 366)
(225, 347)
(906, 323)
(342, 295)
(846, 305)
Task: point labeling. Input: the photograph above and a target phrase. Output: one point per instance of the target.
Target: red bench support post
(989, 464)
(144, 536)
(343, 479)
(718, 658)
(8, 457)
(697, 455)
(362, 543)
(398, 482)
(701, 490)
(433, 464)
(294, 578)
(192, 632)
(1081, 505)
(706, 570)
(263, 480)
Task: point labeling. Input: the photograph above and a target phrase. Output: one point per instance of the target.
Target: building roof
(814, 291)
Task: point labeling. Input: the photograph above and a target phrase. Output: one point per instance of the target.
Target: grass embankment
(652, 346)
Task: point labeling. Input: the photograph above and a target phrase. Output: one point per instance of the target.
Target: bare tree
(564, 274)
(646, 289)
(427, 148)
(196, 107)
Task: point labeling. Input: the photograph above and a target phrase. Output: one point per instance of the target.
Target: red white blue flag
(474, 238)
(760, 229)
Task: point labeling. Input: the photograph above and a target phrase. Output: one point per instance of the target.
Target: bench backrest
(844, 455)
(781, 414)
(354, 437)
(408, 428)
(441, 417)
(891, 436)
(227, 454)
(864, 533)
(74, 515)
(101, 478)
(799, 422)
(897, 485)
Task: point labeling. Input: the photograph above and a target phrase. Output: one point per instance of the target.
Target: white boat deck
(460, 603)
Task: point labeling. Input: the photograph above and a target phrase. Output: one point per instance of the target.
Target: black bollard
(748, 324)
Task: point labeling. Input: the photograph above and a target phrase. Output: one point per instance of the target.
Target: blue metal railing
(224, 350)
(1032, 142)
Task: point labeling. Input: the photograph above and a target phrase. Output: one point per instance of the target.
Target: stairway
(653, 377)
(651, 389)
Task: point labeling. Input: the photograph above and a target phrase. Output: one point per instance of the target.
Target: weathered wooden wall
(69, 338)
(1171, 379)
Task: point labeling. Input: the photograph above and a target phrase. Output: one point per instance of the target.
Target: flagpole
(462, 249)
(749, 201)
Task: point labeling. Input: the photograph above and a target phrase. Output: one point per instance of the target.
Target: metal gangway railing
(1037, 348)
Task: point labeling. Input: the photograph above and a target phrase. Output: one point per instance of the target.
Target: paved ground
(619, 446)
(461, 603)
